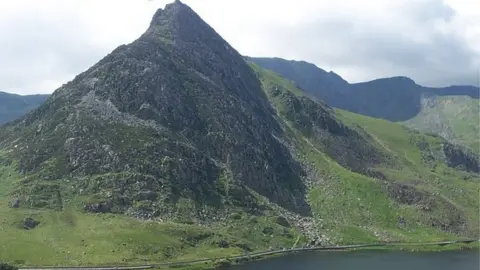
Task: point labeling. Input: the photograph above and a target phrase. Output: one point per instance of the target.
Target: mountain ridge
(397, 99)
(263, 61)
(13, 106)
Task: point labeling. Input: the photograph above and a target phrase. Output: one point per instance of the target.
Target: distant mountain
(454, 117)
(309, 75)
(13, 106)
(397, 99)
(310, 78)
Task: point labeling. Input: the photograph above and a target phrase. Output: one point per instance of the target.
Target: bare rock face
(459, 158)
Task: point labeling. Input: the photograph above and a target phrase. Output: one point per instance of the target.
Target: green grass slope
(412, 192)
(73, 237)
(456, 118)
(451, 194)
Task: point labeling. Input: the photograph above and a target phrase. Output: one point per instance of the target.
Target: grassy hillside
(411, 195)
(456, 118)
(73, 237)
(452, 193)
(368, 180)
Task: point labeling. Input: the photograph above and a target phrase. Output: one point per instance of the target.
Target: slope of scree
(175, 120)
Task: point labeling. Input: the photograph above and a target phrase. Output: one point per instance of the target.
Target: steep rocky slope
(14, 106)
(178, 112)
(173, 147)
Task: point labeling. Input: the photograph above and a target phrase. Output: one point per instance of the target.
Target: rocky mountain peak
(178, 21)
(172, 10)
(179, 110)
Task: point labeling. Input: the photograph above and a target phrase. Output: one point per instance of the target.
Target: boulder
(30, 223)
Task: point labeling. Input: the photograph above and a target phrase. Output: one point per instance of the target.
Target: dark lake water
(369, 260)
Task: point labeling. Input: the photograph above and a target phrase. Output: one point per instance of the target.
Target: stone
(15, 203)
(283, 221)
(30, 223)
(102, 207)
(223, 244)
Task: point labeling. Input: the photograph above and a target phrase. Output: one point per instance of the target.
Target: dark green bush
(5, 266)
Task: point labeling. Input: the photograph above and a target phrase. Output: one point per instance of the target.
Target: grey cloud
(384, 50)
(35, 50)
(429, 10)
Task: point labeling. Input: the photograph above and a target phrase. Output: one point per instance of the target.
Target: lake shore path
(250, 256)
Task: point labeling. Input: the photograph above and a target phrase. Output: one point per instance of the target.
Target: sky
(44, 44)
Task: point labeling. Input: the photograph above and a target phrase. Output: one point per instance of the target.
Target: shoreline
(215, 263)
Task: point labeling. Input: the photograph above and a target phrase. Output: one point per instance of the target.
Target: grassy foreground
(71, 237)
(77, 239)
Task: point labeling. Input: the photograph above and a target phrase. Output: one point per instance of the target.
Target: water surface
(369, 260)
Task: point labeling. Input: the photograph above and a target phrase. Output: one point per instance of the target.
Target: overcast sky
(45, 43)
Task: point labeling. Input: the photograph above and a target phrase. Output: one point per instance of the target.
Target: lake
(369, 260)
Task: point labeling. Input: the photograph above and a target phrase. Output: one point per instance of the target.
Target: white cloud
(46, 43)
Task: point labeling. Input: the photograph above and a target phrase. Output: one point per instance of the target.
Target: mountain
(454, 117)
(400, 98)
(173, 147)
(13, 106)
(308, 77)
(397, 99)
(178, 95)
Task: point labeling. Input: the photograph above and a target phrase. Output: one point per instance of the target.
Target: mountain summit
(175, 115)
(177, 16)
